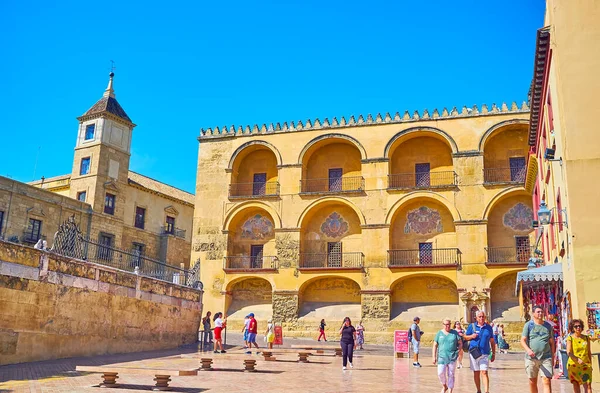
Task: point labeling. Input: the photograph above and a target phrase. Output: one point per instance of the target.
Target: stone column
(287, 244)
(376, 304)
(285, 306)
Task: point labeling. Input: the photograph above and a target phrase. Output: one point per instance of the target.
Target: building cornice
(540, 62)
(160, 194)
(361, 121)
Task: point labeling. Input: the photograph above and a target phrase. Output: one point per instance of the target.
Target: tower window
(89, 131)
(109, 204)
(81, 196)
(84, 168)
(140, 216)
(170, 226)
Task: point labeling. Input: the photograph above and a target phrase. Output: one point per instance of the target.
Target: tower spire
(109, 92)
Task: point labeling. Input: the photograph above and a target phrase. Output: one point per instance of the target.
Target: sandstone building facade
(114, 206)
(378, 218)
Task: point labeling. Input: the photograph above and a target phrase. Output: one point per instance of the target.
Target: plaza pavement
(375, 370)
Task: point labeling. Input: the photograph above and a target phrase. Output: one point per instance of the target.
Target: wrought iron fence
(240, 190)
(332, 260)
(333, 185)
(422, 180)
(505, 175)
(171, 230)
(515, 255)
(248, 262)
(69, 242)
(424, 257)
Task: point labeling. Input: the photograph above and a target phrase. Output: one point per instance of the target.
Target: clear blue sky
(182, 66)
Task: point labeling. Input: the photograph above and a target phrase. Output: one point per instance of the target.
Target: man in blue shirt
(481, 336)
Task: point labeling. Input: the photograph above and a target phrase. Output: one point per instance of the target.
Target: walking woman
(207, 334)
(461, 332)
(322, 330)
(446, 347)
(579, 365)
(220, 324)
(348, 333)
(360, 336)
(502, 344)
(270, 333)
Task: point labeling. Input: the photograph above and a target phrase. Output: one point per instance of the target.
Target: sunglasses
(577, 326)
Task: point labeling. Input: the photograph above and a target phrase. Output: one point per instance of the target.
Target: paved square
(375, 370)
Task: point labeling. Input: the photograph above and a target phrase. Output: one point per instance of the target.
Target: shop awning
(545, 273)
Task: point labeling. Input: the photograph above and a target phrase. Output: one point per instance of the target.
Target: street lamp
(545, 215)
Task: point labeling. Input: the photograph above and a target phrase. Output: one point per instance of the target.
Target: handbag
(475, 351)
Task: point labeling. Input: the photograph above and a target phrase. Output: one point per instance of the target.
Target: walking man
(481, 345)
(538, 341)
(252, 331)
(415, 333)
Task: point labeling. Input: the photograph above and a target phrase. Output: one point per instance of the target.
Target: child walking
(322, 330)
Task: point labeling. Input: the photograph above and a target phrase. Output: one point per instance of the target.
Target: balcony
(333, 260)
(512, 175)
(171, 230)
(253, 190)
(31, 237)
(249, 263)
(508, 255)
(435, 257)
(351, 184)
(426, 180)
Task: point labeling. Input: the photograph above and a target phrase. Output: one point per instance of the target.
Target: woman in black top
(348, 333)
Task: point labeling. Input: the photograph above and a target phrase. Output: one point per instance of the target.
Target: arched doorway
(250, 295)
(431, 298)
(332, 298)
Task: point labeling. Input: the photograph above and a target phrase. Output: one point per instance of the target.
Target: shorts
(218, 333)
(415, 345)
(252, 338)
(480, 364)
(534, 366)
(245, 335)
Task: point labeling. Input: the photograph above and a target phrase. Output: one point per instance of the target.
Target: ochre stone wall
(419, 150)
(504, 300)
(53, 307)
(503, 226)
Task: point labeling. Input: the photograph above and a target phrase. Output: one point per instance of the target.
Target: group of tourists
(249, 331)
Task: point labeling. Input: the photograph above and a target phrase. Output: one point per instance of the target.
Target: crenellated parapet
(317, 124)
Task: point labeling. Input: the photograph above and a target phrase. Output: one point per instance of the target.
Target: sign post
(401, 344)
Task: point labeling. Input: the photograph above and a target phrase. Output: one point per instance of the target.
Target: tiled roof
(110, 105)
(153, 185)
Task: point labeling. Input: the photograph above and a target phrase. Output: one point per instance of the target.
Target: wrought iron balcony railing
(516, 255)
(332, 260)
(247, 262)
(253, 190)
(504, 175)
(424, 180)
(333, 185)
(171, 230)
(424, 257)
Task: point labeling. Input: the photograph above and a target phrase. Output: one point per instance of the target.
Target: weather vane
(112, 66)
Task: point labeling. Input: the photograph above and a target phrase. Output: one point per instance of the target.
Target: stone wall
(53, 307)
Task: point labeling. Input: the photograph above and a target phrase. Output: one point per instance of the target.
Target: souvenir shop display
(593, 319)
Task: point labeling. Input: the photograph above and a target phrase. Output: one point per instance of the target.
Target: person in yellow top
(579, 365)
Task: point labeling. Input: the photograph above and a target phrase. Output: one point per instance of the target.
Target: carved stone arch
(248, 144)
(359, 146)
(233, 282)
(453, 280)
(506, 193)
(496, 127)
(325, 200)
(422, 194)
(252, 204)
(408, 131)
(312, 280)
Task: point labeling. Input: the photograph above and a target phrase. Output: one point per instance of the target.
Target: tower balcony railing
(248, 262)
(427, 180)
(508, 255)
(332, 260)
(426, 258)
(253, 190)
(332, 185)
(171, 230)
(512, 175)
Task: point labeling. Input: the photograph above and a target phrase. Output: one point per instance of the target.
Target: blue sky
(182, 66)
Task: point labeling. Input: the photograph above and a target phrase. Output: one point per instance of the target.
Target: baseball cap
(415, 319)
(251, 314)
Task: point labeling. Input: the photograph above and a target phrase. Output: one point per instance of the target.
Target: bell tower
(102, 152)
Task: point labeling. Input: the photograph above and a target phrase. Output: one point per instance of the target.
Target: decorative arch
(496, 127)
(324, 200)
(359, 146)
(308, 282)
(409, 276)
(252, 204)
(506, 193)
(412, 130)
(237, 280)
(422, 194)
(248, 144)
